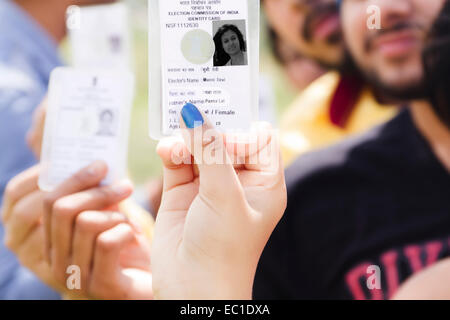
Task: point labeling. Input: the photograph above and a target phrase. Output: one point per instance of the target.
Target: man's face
(311, 26)
(300, 70)
(390, 57)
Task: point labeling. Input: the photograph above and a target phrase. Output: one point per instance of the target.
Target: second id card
(87, 120)
(100, 36)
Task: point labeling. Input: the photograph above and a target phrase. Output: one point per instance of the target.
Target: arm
(431, 283)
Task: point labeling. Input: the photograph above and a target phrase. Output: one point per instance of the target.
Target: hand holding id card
(205, 53)
(87, 120)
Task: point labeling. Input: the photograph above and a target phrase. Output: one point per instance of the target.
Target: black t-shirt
(366, 213)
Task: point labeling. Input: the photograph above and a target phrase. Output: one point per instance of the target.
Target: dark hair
(436, 59)
(274, 44)
(274, 41)
(220, 56)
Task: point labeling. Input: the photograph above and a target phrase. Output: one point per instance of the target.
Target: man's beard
(389, 92)
(402, 93)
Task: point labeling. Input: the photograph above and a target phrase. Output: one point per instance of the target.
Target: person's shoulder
(376, 147)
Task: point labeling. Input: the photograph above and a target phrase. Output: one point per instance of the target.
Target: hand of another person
(215, 218)
(22, 214)
(83, 228)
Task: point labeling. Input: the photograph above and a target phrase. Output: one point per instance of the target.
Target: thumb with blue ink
(207, 145)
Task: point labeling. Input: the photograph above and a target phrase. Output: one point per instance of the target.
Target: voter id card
(205, 53)
(87, 120)
(99, 36)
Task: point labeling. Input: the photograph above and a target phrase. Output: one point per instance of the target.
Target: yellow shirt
(307, 126)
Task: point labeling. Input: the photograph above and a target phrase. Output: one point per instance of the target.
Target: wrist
(212, 283)
(233, 281)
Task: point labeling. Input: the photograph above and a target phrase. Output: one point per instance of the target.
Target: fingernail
(191, 116)
(122, 188)
(95, 168)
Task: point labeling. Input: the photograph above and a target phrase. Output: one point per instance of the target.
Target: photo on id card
(87, 120)
(205, 53)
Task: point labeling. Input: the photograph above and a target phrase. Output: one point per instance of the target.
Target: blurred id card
(87, 119)
(99, 36)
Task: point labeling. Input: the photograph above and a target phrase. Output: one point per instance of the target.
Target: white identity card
(87, 120)
(205, 53)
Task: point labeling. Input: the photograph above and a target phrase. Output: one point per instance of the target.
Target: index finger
(178, 169)
(267, 157)
(243, 145)
(86, 178)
